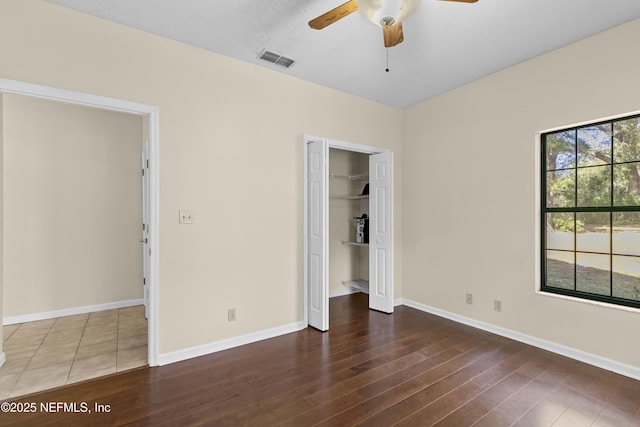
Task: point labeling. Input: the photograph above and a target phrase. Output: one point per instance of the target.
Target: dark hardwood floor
(409, 369)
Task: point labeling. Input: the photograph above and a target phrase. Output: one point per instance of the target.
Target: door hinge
(142, 172)
(144, 226)
(147, 163)
(144, 280)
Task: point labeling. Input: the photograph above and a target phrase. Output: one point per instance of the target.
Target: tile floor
(54, 352)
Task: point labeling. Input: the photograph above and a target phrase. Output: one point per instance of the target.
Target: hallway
(50, 353)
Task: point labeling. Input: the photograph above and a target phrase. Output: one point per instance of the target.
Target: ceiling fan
(387, 14)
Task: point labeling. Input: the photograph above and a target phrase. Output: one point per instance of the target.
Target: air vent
(275, 58)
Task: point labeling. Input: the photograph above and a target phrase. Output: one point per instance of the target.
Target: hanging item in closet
(365, 190)
(362, 228)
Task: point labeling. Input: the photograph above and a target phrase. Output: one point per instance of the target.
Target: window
(591, 211)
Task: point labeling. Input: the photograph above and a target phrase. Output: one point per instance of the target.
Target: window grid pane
(594, 145)
(594, 186)
(593, 273)
(591, 211)
(626, 140)
(561, 188)
(626, 184)
(626, 277)
(626, 233)
(560, 270)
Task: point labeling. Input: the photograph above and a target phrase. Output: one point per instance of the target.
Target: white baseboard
(582, 356)
(202, 350)
(3, 358)
(12, 320)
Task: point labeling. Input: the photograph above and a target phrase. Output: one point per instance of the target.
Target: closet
(336, 262)
(348, 200)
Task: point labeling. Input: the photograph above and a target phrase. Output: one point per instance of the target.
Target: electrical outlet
(185, 217)
(497, 305)
(469, 298)
(231, 315)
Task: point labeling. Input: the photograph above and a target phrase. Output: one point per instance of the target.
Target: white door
(317, 234)
(380, 238)
(145, 227)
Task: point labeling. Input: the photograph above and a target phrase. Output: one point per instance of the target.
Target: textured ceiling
(446, 44)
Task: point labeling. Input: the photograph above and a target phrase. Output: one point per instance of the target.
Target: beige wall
(72, 215)
(470, 179)
(230, 149)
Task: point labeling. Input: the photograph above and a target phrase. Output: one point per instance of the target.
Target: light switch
(185, 217)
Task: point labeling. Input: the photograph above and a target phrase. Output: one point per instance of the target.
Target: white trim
(589, 302)
(154, 235)
(72, 97)
(202, 350)
(537, 145)
(582, 356)
(588, 122)
(152, 114)
(343, 145)
(3, 358)
(12, 320)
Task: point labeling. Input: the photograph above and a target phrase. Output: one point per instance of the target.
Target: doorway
(149, 115)
(316, 228)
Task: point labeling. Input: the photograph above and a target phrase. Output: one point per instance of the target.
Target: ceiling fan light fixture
(385, 13)
(387, 21)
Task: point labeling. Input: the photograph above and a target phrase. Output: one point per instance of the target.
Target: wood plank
(438, 377)
(371, 368)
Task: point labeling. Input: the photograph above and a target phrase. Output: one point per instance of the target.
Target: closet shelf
(357, 284)
(348, 242)
(351, 177)
(366, 196)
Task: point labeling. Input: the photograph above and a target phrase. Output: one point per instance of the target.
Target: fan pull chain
(387, 69)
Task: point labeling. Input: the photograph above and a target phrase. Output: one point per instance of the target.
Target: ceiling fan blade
(393, 35)
(462, 1)
(334, 15)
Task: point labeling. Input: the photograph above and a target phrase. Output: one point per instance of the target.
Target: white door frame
(332, 143)
(151, 114)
